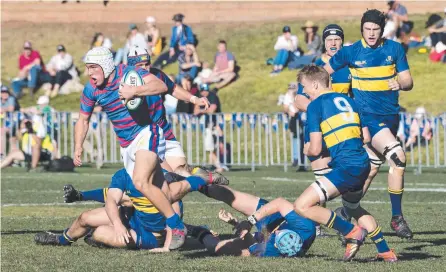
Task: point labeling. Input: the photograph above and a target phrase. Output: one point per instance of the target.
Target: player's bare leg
(105, 236)
(148, 179)
(307, 206)
(80, 227)
(385, 143)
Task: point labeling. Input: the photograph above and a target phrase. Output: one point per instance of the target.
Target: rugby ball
(132, 78)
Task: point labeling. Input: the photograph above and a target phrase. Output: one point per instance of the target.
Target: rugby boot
(49, 238)
(178, 238)
(354, 240)
(388, 256)
(210, 177)
(400, 226)
(70, 194)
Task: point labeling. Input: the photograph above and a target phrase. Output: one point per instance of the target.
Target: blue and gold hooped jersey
(336, 116)
(149, 216)
(371, 68)
(341, 80)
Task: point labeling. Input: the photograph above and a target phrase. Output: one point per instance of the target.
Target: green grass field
(251, 43)
(33, 202)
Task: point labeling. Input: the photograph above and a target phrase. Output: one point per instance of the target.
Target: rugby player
(333, 119)
(174, 154)
(379, 71)
(280, 231)
(142, 142)
(333, 37)
(138, 228)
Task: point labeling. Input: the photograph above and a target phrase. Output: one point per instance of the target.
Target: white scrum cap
(103, 57)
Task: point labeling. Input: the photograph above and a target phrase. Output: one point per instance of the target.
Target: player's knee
(84, 219)
(139, 182)
(300, 207)
(397, 158)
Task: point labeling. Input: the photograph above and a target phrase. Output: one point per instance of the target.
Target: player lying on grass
(115, 227)
(333, 119)
(281, 232)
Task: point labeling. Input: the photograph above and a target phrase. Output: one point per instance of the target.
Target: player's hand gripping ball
(132, 78)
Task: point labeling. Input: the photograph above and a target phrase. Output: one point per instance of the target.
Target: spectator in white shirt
(61, 68)
(285, 45)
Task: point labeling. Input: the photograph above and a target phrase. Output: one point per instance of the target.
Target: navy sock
(98, 195)
(64, 239)
(378, 238)
(396, 197)
(195, 183)
(340, 225)
(174, 222)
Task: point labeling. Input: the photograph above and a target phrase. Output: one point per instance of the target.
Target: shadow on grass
(434, 232)
(432, 243)
(19, 232)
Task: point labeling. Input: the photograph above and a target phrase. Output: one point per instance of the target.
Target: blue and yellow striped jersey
(336, 117)
(371, 68)
(145, 211)
(341, 80)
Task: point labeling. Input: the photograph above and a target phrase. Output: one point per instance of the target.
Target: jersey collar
(365, 45)
(325, 58)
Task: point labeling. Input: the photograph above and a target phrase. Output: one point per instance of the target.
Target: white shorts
(174, 149)
(152, 139)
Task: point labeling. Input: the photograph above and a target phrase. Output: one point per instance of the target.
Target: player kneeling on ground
(333, 118)
(138, 229)
(281, 231)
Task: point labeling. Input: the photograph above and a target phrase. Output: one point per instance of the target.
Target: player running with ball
(142, 142)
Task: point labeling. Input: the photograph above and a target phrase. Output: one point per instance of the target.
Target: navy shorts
(375, 123)
(145, 239)
(349, 178)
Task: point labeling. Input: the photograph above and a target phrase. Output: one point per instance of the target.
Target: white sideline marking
(208, 202)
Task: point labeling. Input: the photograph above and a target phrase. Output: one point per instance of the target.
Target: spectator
(62, 69)
(312, 39)
(182, 35)
(419, 128)
(32, 72)
(436, 26)
(134, 38)
(285, 45)
(224, 67)
(152, 34)
(314, 46)
(400, 26)
(9, 104)
(212, 132)
(189, 63)
(100, 40)
(31, 134)
(205, 73)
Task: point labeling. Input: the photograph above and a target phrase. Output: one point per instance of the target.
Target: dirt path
(196, 12)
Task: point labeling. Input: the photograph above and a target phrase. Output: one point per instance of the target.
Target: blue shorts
(349, 178)
(376, 123)
(145, 239)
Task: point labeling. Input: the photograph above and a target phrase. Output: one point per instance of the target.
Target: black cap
(178, 17)
(61, 48)
(374, 16)
(4, 89)
(333, 29)
(432, 20)
(286, 29)
(390, 3)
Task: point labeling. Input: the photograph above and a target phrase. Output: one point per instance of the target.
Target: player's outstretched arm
(152, 86)
(80, 132)
(114, 196)
(166, 245)
(328, 68)
(181, 94)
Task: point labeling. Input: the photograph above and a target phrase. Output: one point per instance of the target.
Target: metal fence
(237, 139)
